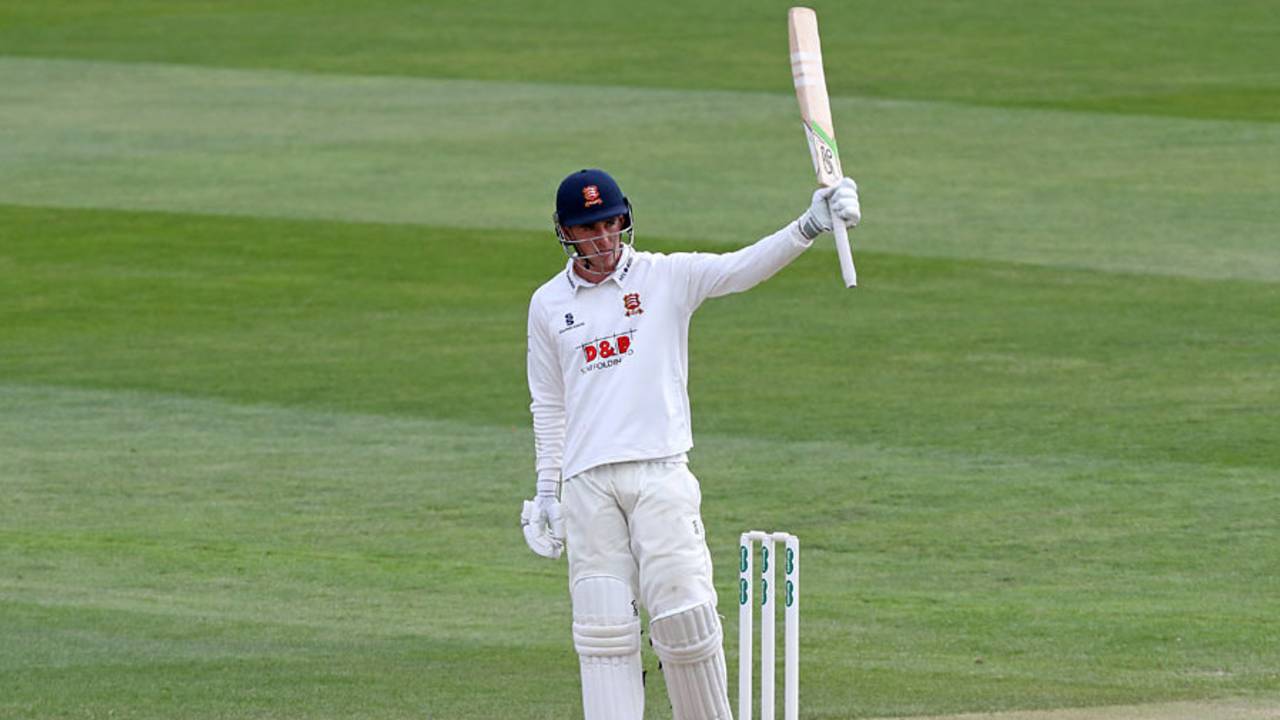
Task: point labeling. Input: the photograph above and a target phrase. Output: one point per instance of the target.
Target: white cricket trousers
(640, 522)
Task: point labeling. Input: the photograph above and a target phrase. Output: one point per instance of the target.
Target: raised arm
(712, 275)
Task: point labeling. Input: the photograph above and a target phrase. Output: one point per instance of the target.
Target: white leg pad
(606, 634)
(689, 642)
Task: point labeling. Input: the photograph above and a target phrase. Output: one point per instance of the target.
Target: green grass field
(264, 270)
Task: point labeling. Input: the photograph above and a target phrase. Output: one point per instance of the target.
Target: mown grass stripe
(1169, 57)
(185, 534)
(1151, 195)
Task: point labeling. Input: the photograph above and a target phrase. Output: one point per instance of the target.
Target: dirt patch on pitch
(1226, 710)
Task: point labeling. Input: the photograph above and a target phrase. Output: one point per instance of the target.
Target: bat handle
(847, 271)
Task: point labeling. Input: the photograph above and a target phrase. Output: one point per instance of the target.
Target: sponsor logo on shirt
(607, 352)
(570, 324)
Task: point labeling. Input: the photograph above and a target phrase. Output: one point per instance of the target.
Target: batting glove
(542, 522)
(840, 199)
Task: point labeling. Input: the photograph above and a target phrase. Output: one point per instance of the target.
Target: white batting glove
(542, 522)
(840, 199)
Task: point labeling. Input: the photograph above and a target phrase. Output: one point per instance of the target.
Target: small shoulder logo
(570, 323)
(631, 302)
(591, 194)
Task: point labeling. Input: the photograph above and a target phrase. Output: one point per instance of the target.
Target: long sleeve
(546, 388)
(712, 275)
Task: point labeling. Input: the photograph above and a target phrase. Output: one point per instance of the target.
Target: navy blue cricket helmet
(589, 196)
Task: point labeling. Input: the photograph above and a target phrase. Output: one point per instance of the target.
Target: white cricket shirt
(609, 363)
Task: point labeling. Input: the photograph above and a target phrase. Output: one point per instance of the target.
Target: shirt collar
(619, 273)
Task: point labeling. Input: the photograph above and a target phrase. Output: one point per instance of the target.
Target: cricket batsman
(608, 373)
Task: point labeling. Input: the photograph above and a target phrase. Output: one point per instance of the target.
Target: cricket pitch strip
(1213, 710)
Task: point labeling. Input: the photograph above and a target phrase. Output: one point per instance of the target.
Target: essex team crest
(631, 302)
(591, 196)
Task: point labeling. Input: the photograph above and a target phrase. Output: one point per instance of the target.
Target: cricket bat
(815, 110)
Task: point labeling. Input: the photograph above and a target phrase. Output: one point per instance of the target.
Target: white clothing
(608, 371)
(606, 634)
(640, 522)
(608, 363)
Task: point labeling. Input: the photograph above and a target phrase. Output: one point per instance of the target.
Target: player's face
(599, 246)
